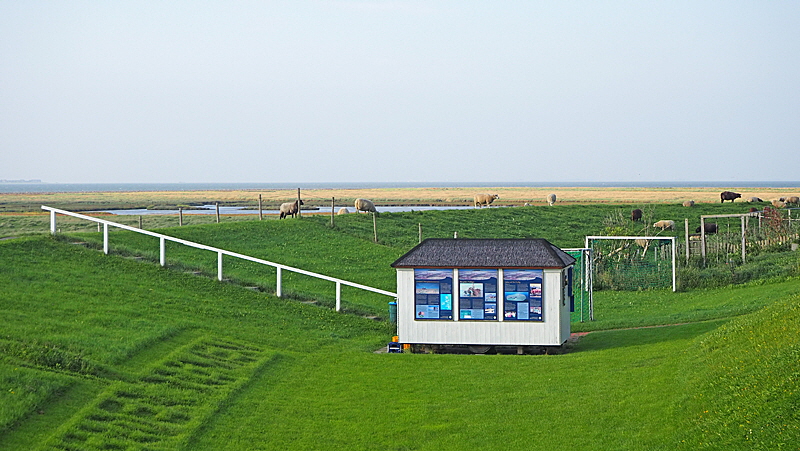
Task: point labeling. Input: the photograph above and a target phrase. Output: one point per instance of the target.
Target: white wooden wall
(553, 331)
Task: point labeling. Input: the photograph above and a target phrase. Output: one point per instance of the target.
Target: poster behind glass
(433, 294)
(477, 294)
(523, 294)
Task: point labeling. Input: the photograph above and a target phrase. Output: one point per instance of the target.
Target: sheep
(728, 195)
(636, 215)
(794, 200)
(343, 211)
(665, 224)
(688, 203)
(290, 208)
(551, 199)
(365, 205)
(755, 199)
(710, 227)
(778, 203)
(481, 199)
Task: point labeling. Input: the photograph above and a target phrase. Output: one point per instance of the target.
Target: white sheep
(365, 205)
(481, 199)
(665, 224)
(343, 211)
(688, 203)
(290, 208)
(551, 199)
(778, 203)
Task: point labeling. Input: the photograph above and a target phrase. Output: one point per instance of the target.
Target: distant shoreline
(36, 186)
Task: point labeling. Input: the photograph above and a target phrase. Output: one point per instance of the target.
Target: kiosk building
(484, 292)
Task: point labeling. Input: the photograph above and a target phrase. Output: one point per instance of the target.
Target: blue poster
(523, 294)
(433, 294)
(477, 294)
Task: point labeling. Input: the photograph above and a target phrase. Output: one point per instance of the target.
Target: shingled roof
(484, 253)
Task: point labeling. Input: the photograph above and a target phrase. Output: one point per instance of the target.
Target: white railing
(220, 252)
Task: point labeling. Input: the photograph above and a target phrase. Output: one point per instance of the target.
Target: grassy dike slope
(116, 353)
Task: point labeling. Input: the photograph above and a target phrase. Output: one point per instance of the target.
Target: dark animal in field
(484, 199)
(710, 227)
(728, 195)
(364, 205)
(753, 209)
(636, 215)
(290, 208)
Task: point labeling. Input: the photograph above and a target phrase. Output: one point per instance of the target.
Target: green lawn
(107, 352)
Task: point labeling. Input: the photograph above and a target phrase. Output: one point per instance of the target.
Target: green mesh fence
(629, 265)
(581, 286)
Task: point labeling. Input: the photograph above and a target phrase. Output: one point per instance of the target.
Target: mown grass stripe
(163, 411)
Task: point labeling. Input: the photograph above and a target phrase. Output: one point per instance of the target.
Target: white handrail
(220, 252)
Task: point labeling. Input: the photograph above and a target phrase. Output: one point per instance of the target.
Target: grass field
(111, 352)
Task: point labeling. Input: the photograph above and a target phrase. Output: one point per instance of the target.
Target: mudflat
(384, 196)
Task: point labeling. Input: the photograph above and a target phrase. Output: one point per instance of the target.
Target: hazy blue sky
(399, 91)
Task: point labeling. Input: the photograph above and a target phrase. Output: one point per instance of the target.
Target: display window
(433, 294)
(477, 294)
(522, 290)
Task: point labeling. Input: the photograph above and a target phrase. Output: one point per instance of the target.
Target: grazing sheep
(728, 195)
(688, 203)
(481, 199)
(755, 199)
(551, 199)
(794, 200)
(290, 208)
(343, 211)
(778, 203)
(710, 227)
(665, 224)
(636, 215)
(365, 205)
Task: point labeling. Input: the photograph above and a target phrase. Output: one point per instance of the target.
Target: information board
(522, 294)
(433, 294)
(477, 294)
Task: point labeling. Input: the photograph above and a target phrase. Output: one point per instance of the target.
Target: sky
(399, 91)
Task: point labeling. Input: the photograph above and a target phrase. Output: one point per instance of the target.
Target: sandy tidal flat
(383, 196)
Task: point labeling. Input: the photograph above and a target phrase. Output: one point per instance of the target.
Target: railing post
(105, 238)
(219, 266)
(278, 283)
(163, 251)
(52, 222)
(338, 296)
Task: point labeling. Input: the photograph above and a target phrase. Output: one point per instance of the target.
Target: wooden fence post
(375, 227)
(180, 216)
(260, 214)
(299, 207)
(217, 205)
(333, 205)
(688, 243)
